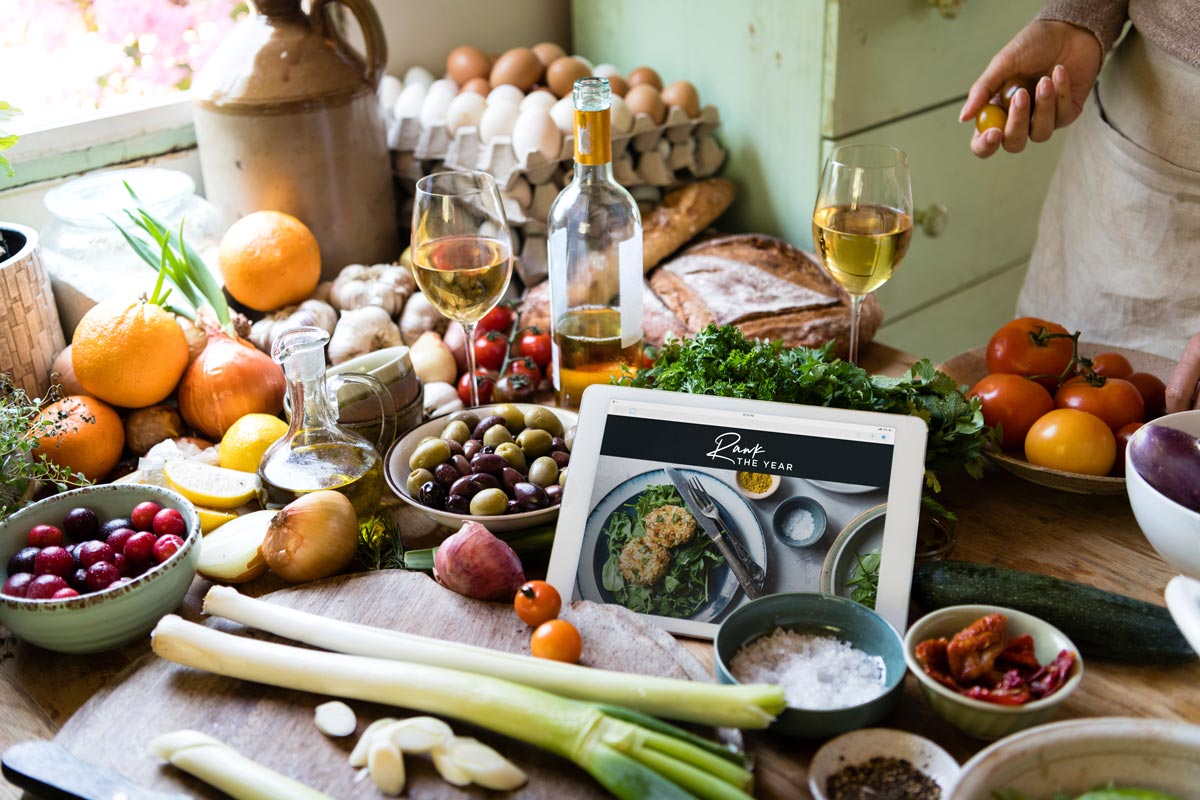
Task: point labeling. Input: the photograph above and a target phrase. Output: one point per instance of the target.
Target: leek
(631, 761)
(219, 765)
(739, 706)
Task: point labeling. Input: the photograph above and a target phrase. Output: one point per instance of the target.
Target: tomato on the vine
(1029, 346)
(1072, 441)
(537, 602)
(535, 344)
(1123, 436)
(484, 381)
(490, 350)
(525, 366)
(1153, 391)
(557, 640)
(1111, 365)
(1116, 401)
(514, 389)
(499, 318)
(1012, 402)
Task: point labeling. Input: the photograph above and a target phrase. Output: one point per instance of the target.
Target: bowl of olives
(502, 465)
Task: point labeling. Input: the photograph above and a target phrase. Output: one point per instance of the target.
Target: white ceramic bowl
(857, 747)
(1173, 530)
(1077, 755)
(744, 492)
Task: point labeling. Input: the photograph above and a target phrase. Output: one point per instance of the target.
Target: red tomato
(485, 382)
(557, 640)
(1111, 365)
(1021, 348)
(1117, 401)
(1123, 437)
(1013, 403)
(490, 350)
(537, 602)
(499, 318)
(1072, 441)
(525, 366)
(1153, 391)
(536, 345)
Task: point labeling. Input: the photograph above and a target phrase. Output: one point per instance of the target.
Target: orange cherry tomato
(557, 640)
(1123, 437)
(991, 116)
(537, 602)
(1013, 403)
(1023, 347)
(1117, 402)
(1153, 390)
(1072, 441)
(1111, 365)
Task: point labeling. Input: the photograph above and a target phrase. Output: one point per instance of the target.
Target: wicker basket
(30, 333)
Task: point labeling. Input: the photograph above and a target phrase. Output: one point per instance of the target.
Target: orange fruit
(87, 435)
(269, 260)
(129, 353)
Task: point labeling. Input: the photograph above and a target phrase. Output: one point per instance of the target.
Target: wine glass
(461, 251)
(862, 222)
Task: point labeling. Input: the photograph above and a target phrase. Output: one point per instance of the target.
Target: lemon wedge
(211, 519)
(205, 485)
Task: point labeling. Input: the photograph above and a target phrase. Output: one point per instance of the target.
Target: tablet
(682, 507)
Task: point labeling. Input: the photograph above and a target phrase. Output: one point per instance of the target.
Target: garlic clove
(417, 734)
(386, 764)
(358, 756)
(484, 765)
(335, 718)
(451, 772)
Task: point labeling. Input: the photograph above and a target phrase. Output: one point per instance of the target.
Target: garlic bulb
(361, 331)
(312, 537)
(419, 316)
(315, 313)
(383, 285)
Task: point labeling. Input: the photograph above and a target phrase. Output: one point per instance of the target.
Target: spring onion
(219, 765)
(741, 706)
(629, 760)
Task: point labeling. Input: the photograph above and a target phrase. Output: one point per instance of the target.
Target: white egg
(505, 93)
(563, 114)
(418, 75)
(540, 101)
(535, 130)
(498, 120)
(388, 90)
(586, 62)
(408, 103)
(437, 102)
(621, 116)
(607, 71)
(465, 111)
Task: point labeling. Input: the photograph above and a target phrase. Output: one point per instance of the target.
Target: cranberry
(94, 552)
(78, 580)
(81, 524)
(117, 539)
(100, 575)
(43, 587)
(169, 522)
(22, 560)
(123, 565)
(143, 515)
(112, 525)
(167, 546)
(53, 561)
(44, 536)
(139, 548)
(17, 584)
(65, 593)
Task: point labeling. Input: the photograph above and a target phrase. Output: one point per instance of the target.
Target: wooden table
(1002, 520)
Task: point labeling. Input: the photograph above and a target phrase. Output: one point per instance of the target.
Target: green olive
(416, 478)
(543, 472)
(538, 417)
(429, 454)
(468, 418)
(489, 503)
(514, 420)
(496, 435)
(562, 476)
(535, 442)
(513, 455)
(456, 430)
(569, 437)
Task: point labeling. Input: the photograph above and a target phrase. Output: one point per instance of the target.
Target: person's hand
(1183, 386)
(1068, 60)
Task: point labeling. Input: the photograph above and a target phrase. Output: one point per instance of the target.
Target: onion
(475, 563)
(195, 335)
(64, 368)
(312, 537)
(146, 427)
(229, 379)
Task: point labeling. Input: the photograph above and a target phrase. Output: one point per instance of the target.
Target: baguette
(682, 214)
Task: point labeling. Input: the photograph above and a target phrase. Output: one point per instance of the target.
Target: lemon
(244, 443)
(205, 485)
(211, 519)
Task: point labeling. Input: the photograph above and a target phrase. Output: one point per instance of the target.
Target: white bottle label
(629, 252)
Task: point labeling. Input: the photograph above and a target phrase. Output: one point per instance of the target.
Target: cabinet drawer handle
(932, 220)
(948, 8)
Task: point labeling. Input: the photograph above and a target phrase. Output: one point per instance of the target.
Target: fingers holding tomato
(1073, 441)
(1012, 403)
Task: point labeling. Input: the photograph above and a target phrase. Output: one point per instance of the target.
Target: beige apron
(1118, 247)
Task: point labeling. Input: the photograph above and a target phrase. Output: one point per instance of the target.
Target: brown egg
(476, 85)
(644, 75)
(644, 99)
(684, 95)
(518, 67)
(466, 62)
(548, 52)
(619, 86)
(562, 74)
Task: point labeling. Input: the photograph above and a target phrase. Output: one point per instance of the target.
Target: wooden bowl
(969, 367)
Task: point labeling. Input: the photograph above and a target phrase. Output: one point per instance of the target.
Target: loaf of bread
(683, 213)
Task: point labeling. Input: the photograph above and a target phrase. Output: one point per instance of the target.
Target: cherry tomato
(1072, 441)
(1021, 347)
(557, 640)
(514, 389)
(537, 602)
(536, 345)
(1111, 365)
(525, 366)
(485, 382)
(1153, 391)
(499, 318)
(991, 116)
(1013, 403)
(490, 350)
(1117, 402)
(1123, 437)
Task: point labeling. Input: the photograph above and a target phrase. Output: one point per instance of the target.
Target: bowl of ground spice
(881, 764)
(756, 485)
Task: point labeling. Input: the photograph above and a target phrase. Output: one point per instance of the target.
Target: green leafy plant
(7, 140)
(864, 581)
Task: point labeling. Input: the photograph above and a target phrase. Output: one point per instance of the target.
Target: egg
(562, 74)
(465, 111)
(409, 101)
(684, 95)
(548, 52)
(504, 93)
(437, 102)
(620, 115)
(606, 71)
(498, 119)
(518, 67)
(466, 62)
(644, 99)
(618, 85)
(418, 75)
(644, 75)
(587, 62)
(388, 90)
(541, 99)
(479, 86)
(563, 114)
(535, 130)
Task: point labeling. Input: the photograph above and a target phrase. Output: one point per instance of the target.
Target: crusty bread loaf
(657, 320)
(683, 213)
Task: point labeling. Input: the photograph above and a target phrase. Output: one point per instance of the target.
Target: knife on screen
(718, 536)
(50, 771)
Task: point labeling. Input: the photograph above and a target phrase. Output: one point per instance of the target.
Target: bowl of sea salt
(840, 664)
(799, 521)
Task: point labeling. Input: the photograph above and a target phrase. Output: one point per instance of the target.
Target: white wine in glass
(862, 224)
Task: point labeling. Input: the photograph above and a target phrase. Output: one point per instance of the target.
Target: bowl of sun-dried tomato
(991, 671)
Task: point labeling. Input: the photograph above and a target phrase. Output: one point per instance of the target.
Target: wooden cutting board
(275, 726)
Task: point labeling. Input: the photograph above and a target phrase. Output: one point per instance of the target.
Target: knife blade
(50, 771)
(736, 565)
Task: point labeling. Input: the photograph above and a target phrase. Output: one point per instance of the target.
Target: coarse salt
(816, 672)
(799, 525)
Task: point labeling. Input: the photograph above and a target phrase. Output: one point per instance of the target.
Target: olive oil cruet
(317, 453)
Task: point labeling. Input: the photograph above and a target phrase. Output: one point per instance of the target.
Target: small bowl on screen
(799, 521)
(746, 483)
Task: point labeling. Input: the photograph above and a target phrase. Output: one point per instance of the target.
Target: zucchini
(1101, 624)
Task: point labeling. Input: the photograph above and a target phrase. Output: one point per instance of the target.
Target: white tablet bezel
(903, 494)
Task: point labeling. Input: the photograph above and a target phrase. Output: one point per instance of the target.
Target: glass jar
(87, 257)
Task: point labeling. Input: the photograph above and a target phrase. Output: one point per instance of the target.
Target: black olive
(445, 474)
(488, 462)
(455, 448)
(433, 495)
(561, 457)
(485, 423)
(484, 481)
(510, 478)
(465, 487)
(488, 449)
(558, 444)
(461, 464)
(458, 504)
(555, 494)
(530, 496)
(471, 447)
(513, 507)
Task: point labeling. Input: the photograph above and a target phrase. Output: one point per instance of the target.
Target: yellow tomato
(1072, 441)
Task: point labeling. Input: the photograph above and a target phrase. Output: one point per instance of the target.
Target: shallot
(475, 563)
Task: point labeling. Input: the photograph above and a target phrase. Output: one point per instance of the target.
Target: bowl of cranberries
(95, 568)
